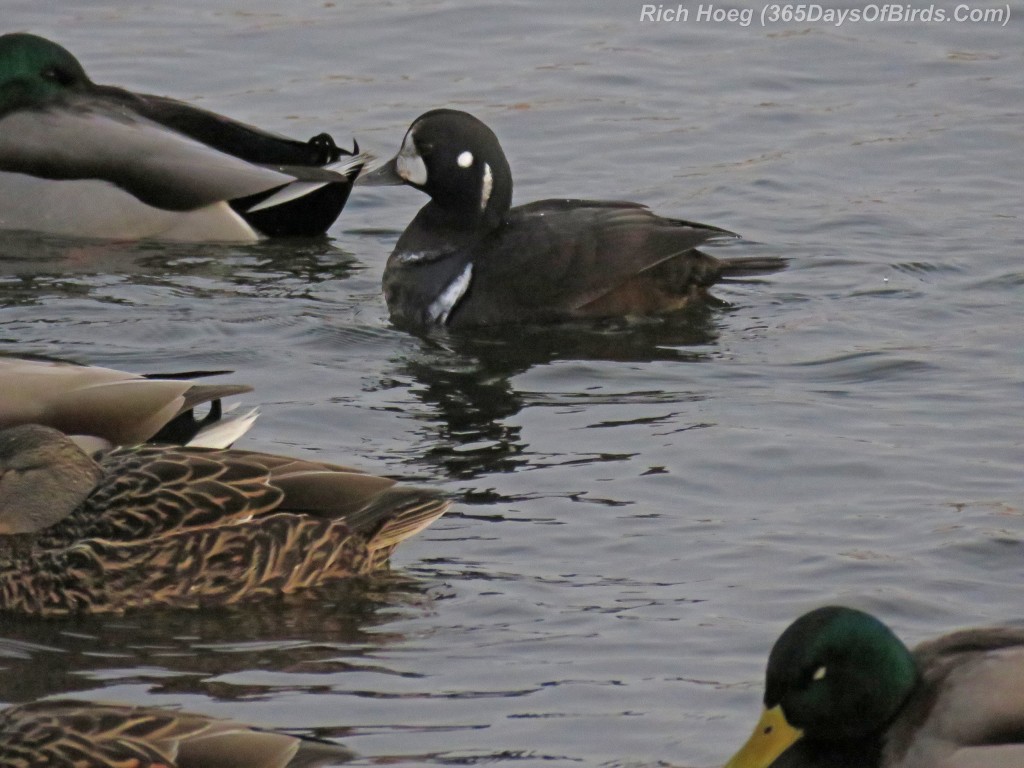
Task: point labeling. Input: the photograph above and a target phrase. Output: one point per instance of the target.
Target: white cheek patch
(488, 185)
(446, 301)
(465, 159)
(409, 164)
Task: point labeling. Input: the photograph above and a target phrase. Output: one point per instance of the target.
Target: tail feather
(310, 180)
(220, 428)
(223, 432)
(351, 163)
(397, 514)
(198, 394)
(751, 265)
(180, 374)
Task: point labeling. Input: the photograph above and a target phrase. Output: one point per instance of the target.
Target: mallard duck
(77, 158)
(121, 408)
(843, 691)
(141, 526)
(84, 734)
(468, 258)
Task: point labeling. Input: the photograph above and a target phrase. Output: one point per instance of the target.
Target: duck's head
(834, 676)
(44, 476)
(458, 161)
(34, 70)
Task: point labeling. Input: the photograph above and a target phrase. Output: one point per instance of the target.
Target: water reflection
(36, 265)
(467, 381)
(301, 642)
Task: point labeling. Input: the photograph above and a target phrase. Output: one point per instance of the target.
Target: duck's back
(553, 260)
(191, 527)
(968, 711)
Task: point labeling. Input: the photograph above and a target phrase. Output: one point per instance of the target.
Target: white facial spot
(488, 184)
(409, 164)
(443, 305)
(465, 159)
(819, 673)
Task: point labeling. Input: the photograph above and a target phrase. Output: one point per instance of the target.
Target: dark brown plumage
(469, 258)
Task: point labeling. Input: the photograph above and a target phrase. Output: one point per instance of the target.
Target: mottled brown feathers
(187, 527)
(81, 734)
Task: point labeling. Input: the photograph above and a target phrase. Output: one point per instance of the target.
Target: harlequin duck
(77, 158)
(468, 258)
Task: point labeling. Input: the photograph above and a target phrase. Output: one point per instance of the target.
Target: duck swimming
(843, 691)
(142, 526)
(70, 733)
(82, 159)
(469, 258)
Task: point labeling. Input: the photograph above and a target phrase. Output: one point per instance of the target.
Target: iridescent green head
(836, 676)
(839, 673)
(34, 70)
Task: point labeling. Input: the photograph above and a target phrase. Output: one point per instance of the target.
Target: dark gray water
(641, 509)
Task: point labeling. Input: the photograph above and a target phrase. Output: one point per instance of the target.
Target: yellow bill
(772, 736)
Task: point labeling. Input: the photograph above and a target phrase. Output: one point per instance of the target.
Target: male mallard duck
(121, 408)
(83, 734)
(469, 258)
(843, 691)
(78, 158)
(185, 527)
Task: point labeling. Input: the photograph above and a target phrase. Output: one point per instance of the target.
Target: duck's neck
(437, 232)
(460, 218)
(861, 753)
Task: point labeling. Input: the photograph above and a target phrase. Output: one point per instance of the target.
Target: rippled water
(642, 509)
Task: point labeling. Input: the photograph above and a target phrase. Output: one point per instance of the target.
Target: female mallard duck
(121, 408)
(77, 158)
(185, 527)
(83, 734)
(843, 691)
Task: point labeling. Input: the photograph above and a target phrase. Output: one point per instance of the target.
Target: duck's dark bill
(385, 176)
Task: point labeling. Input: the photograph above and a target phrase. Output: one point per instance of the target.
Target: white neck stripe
(488, 185)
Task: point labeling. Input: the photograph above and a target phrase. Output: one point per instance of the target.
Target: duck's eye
(58, 75)
(812, 675)
(465, 159)
(809, 676)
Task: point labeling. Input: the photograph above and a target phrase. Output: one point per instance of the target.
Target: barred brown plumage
(150, 525)
(68, 733)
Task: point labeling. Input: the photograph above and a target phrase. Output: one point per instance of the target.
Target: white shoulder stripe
(441, 307)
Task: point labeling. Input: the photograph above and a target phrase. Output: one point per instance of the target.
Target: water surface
(641, 508)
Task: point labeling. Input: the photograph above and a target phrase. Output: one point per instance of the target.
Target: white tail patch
(297, 189)
(349, 162)
(288, 193)
(224, 432)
